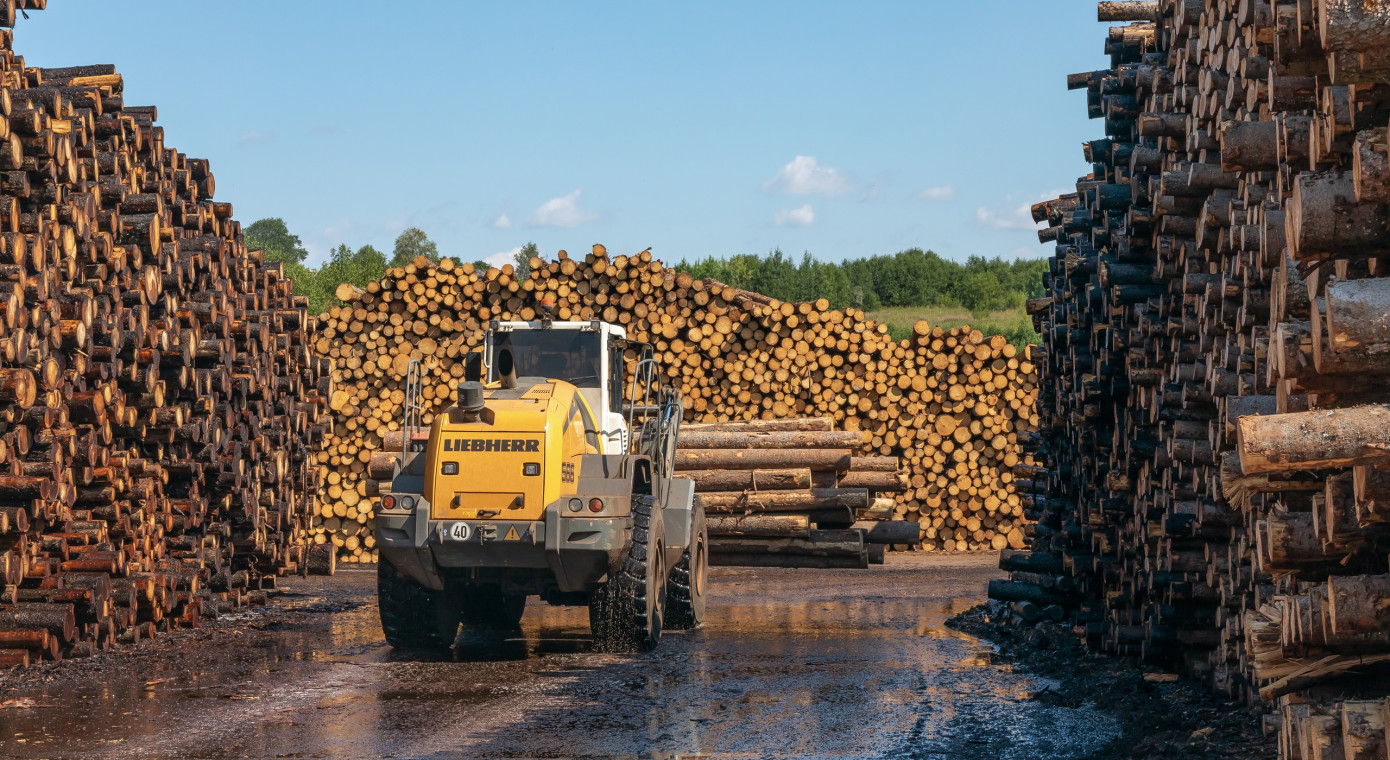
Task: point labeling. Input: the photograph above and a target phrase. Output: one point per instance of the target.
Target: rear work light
(450, 468)
(576, 505)
(407, 502)
(595, 505)
(531, 469)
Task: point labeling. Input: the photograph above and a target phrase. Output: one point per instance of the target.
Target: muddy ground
(792, 663)
(1159, 717)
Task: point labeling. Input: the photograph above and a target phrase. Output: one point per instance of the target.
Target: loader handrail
(413, 409)
(644, 371)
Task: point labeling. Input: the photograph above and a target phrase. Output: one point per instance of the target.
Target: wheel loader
(550, 476)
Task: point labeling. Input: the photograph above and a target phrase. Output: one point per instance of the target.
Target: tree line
(903, 282)
(908, 278)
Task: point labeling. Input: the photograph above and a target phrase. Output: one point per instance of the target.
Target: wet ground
(791, 663)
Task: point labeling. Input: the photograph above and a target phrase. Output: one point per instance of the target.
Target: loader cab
(588, 355)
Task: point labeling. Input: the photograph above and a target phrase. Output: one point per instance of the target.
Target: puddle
(788, 665)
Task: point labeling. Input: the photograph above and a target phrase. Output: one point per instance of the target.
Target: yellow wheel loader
(551, 476)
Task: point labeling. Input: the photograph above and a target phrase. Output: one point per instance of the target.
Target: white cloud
(1018, 217)
(256, 137)
(797, 217)
(805, 176)
(943, 193)
(502, 222)
(338, 231)
(563, 212)
(503, 257)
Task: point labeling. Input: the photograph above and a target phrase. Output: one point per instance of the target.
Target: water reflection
(789, 665)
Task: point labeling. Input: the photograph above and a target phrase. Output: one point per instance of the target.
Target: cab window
(579, 415)
(615, 378)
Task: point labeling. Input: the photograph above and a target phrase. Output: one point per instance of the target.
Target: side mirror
(473, 367)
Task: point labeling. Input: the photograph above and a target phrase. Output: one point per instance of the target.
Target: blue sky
(717, 128)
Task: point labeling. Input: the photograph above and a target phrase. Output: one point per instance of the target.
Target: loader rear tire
(412, 616)
(685, 591)
(627, 614)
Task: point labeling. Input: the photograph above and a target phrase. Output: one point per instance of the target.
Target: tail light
(595, 505)
(388, 501)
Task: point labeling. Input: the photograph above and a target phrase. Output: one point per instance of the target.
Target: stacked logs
(156, 387)
(950, 405)
(792, 493)
(1213, 383)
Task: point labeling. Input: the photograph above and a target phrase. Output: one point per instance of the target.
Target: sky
(696, 129)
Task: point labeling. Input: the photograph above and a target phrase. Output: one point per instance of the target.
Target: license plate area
(455, 532)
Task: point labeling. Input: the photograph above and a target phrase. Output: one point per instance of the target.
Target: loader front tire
(412, 616)
(628, 612)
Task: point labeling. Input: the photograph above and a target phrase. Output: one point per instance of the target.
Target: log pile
(1213, 385)
(951, 405)
(156, 385)
(790, 493)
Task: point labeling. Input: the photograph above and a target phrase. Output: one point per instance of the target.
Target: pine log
(1370, 168)
(1017, 591)
(760, 526)
(1127, 10)
(1324, 218)
(755, 459)
(805, 424)
(1358, 315)
(57, 619)
(1036, 562)
(786, 501)
(1371, 489)
(1359, 604)
(1363, 729)
(1314, 440)
(889, 532)
(820, 543)
(874, 464)
(882, 482)
(690, 440)
(1249, 146)
(751, 480)
(322, 559)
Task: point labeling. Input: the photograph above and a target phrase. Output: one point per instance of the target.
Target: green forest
(898, 288)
